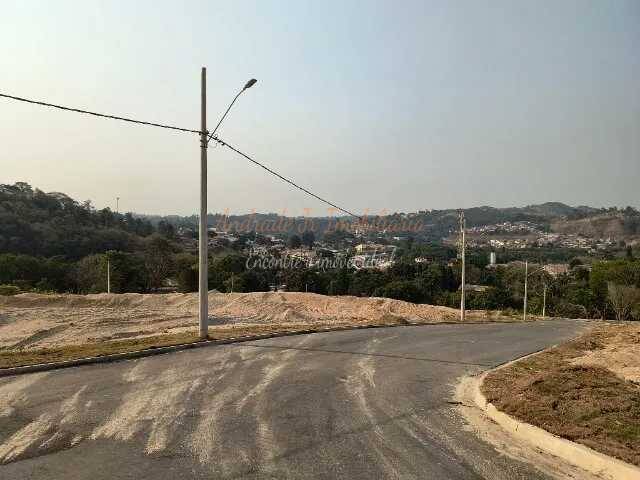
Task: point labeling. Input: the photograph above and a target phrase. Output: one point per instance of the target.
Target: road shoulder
(556, 390)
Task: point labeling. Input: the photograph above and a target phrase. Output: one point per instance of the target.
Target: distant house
(555, 269)
(364, 248)
(469, 287)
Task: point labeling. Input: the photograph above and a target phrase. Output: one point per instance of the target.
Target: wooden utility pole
(526, 276)
(463, 248)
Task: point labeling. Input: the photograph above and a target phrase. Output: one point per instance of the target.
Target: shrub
(9, 290)
(570, 310)
(402, 290)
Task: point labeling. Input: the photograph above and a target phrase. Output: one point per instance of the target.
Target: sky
(379, 106)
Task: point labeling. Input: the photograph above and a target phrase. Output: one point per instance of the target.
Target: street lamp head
(250, 83)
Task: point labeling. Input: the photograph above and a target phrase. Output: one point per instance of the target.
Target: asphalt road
(362, 404)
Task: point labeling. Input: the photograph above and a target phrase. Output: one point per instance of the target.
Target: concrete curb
(115, 357)
(573, 453)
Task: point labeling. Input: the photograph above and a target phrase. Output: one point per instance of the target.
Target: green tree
(405, 290)
(247, 281)
(308, 238)
(294, 241)
(186, 271)
(222, 267)
(158, 260)
(91, 274)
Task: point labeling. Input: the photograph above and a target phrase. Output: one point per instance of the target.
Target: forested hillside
(52, 224)
(48, 241)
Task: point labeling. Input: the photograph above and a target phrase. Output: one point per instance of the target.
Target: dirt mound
(310, 307)
(29, 300)
(619, 352)
(30, 320)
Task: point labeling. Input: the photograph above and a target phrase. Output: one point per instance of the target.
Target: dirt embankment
(32, 321)
(599, 227)
(587, 390)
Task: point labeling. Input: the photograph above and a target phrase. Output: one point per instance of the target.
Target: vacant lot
(35, 327)
(587, 390)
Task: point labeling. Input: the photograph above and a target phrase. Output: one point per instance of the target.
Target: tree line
(51, 243)
(604, 289)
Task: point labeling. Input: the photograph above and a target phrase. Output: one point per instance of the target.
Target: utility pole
(108, 275)
(203, 284)
(463, 247)
(526, 276)
(544, 300)
(117, 204)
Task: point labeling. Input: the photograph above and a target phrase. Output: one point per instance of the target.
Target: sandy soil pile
(620, 352)
(30, 320)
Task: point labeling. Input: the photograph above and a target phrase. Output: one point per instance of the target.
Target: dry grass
(583, 403)
(18, 358)
(29, 356)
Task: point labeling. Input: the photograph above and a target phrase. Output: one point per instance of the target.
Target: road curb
(573, 453)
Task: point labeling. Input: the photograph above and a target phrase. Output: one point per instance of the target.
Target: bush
(187, 278)
(402, 290)
(491, 299)
(9, 290)
(570, 310)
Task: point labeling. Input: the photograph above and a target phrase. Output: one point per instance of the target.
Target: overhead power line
(290, 182)
(188, 130)
(96, 114)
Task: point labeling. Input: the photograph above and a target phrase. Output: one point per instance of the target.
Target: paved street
(359, 404)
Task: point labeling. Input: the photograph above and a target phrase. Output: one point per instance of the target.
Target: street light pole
(205, 137)
(203, 284)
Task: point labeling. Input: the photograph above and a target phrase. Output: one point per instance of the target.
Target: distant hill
(436, 224)
(53, 224)
(558, 209)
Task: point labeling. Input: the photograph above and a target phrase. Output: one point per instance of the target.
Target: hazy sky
(396, 105)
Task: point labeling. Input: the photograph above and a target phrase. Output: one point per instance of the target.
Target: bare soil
(585, 390)
(37, 327)
(20, 357)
